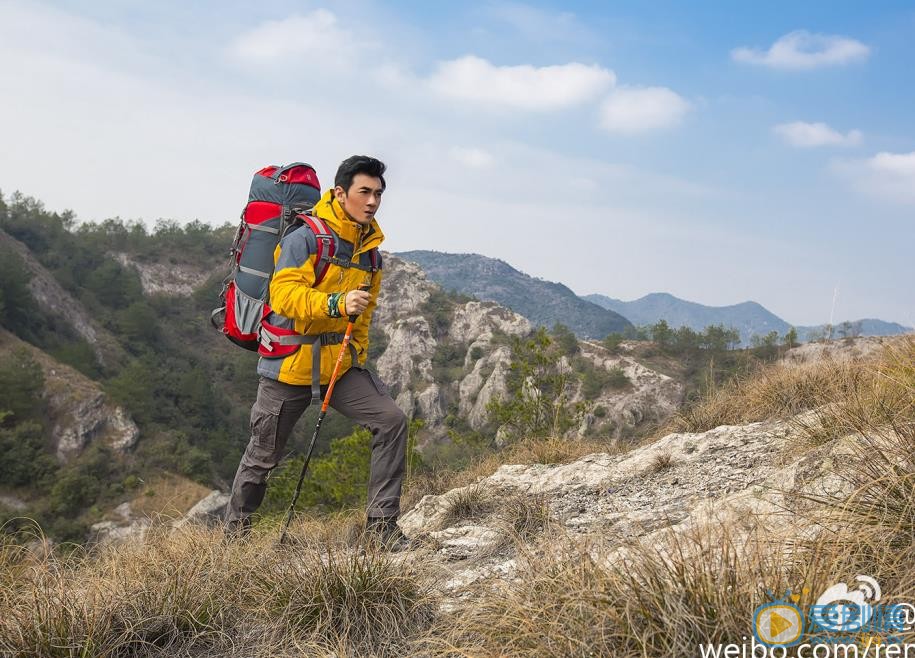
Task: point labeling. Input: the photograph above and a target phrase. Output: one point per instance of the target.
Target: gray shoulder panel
(295, 248)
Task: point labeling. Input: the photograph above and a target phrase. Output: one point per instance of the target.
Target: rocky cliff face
(651, 397)
(407, 364)
(173, 279)
(79, 410)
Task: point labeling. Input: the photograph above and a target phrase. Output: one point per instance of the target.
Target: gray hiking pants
(359, 395)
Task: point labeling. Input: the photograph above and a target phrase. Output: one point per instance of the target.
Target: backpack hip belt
(279, 342)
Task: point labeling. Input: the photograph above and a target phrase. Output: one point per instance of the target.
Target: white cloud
(894, 164)
(806, 135)
(637, 110)
(885, 176)
(475, 158)
(316, 36)
(295, 35)
(475, 80)
(802, 50)
(538, 24)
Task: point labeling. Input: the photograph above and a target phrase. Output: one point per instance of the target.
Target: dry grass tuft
(775, 391)
(702, 588)
(521, 519)
(661, 462)
(574, 603)
(469, 503)
(881, 470)
(189, 592)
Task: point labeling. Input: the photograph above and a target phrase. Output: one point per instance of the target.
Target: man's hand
(356, 301)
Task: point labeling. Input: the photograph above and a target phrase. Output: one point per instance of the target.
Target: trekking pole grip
(364, 288)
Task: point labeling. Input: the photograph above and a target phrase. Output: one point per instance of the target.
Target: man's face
(362, 199)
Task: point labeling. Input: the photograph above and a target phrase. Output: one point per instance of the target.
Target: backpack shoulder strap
(326, 245)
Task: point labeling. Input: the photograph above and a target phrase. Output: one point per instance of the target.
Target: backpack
(279, 202)
(277, 195)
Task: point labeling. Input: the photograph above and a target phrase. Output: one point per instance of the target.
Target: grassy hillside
(189, 593)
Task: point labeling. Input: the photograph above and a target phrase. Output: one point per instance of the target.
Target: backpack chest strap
(342, 262)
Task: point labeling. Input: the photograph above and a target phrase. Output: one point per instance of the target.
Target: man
(301, 308)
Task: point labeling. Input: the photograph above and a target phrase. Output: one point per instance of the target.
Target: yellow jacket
(300, 305)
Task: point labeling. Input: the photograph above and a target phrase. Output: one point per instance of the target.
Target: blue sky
(719, 152)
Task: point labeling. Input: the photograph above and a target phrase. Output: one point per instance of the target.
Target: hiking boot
(388, 534)
(237, 529)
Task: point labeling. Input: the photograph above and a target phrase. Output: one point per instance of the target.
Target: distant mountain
(865, 327)
(749, 318)
(544, 303)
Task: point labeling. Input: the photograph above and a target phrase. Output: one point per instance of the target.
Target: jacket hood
(363, 238)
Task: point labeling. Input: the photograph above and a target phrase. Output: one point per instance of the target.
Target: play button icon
(778, 624)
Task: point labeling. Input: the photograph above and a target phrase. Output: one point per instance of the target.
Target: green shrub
(540, 388)
(566, 342)
(438, 310)
(612, 343)
(594, 379)
(448, 361)
(25, 461)
(617, 378)
(21, 386)
(16, 303)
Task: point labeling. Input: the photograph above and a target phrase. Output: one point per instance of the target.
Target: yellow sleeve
(291, 292)
(361, 327)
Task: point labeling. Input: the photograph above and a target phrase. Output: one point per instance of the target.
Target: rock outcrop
(852, 349)
(168, 501)
(173, 279)
(123, 525)
(406, 365)
(741, 476)
(209, 510)
(79, 411)
(649, 397)
(479, 330)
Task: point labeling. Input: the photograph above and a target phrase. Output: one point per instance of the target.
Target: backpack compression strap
(326, 245)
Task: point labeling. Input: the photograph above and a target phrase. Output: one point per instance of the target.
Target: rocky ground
(730, 475)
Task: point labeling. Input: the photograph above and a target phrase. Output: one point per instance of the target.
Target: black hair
(359, 164)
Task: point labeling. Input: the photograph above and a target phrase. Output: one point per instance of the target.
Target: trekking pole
(314, 437)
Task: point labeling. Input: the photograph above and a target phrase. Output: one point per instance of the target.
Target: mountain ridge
(749, 317)
(544, 303)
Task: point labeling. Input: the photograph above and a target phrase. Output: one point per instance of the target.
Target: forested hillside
(187, 389)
